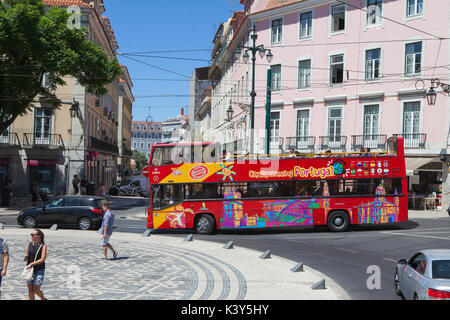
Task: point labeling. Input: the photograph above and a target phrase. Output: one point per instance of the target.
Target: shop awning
(415, 163)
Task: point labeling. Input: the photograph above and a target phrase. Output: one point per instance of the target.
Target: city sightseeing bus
(329, 189)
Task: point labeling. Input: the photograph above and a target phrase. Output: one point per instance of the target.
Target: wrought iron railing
(413, 140)
(371, 141)
(100, 145)
(333, 142)
(9, 139)
(301, 143)
(43, 140)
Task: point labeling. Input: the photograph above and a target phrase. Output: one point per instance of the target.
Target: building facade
(145, 135)
(50, 145)
(345, 75)
(200, 105)
(125, 112)
(176, 129)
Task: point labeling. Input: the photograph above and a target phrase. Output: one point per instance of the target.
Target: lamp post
(262, 52)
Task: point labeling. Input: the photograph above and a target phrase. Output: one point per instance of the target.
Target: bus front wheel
(205, 224)
(338, 221)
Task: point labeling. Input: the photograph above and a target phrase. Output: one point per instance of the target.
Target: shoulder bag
(27, 274)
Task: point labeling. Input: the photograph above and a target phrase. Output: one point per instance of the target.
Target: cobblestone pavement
(155, 268)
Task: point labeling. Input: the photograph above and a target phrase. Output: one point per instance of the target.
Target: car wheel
(396, 283)
(338, 221)
(29, 222)
(84, 223)
(205, 224)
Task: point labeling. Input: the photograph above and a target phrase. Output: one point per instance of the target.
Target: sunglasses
(33, 234)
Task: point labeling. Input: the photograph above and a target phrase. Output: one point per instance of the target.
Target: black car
(83, 212)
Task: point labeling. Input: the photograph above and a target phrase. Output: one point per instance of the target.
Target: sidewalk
(17, 205)
(159, 267)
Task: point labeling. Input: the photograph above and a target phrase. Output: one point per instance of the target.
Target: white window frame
(405, 58)
(304, 142)
(279, 39)
(332, 31)
(310, 29)
(298, 74)
(379, 18)
(273, 80)
(380, 61)
(415, 15)
(331, 69)
(342, 108)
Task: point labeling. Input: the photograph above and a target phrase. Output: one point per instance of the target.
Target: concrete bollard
(265, 255)
(229, 245)
(189, 238)
(319, 285)
(2, 226)
(54, 227)
(146, 233)
(298, 268)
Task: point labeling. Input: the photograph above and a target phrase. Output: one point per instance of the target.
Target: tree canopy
(36, 40)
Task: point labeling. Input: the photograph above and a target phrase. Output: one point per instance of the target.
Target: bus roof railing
(370, 154)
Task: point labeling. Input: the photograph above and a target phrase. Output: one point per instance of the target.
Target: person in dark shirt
(35, 258)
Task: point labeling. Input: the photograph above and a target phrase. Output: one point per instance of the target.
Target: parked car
(135, 186)
(425, 276)
(83, 212)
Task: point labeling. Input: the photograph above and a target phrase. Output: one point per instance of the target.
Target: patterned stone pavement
(76, 271)
(154, 268)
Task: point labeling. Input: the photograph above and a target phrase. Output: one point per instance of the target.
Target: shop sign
(41, 163)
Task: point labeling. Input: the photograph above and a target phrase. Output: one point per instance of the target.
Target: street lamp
(431, 93)
(262, 52)
(230, 113)
(74, 109)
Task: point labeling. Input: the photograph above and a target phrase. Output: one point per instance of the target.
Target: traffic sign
(145, 172)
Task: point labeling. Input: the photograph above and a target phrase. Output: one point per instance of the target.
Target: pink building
(345, 75)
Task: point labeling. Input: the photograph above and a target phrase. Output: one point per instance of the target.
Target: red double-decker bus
(333, 189)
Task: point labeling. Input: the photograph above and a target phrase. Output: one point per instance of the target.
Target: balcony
(301, 143)
(43, 140)
(9, 140)
(413, 140)
(372, 141)
(333, 142)
(100, 145)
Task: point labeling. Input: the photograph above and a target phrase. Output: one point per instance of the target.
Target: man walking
(106, 231)
(4, 259)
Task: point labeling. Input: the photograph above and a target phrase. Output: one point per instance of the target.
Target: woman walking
(35, 258)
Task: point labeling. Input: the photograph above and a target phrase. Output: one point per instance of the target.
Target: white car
(425, 276)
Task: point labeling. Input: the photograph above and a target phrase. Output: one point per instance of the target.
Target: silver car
(425, 276)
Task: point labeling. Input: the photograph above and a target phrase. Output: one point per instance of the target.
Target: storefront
(43, 172)
(425, 187)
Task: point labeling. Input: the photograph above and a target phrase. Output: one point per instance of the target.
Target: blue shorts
(38, 278)
(105, 241)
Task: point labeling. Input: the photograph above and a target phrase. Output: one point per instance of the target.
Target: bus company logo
(155, 178)
(198, 172)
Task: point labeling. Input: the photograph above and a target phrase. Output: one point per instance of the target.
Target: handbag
(27, 274)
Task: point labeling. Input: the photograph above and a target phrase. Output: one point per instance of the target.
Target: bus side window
(156, 196)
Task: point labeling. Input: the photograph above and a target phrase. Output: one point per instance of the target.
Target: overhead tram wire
(156, 67)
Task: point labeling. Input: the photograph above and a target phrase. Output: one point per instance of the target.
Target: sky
(148, 29)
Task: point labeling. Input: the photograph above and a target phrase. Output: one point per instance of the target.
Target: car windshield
(99, 203)
(441, 269)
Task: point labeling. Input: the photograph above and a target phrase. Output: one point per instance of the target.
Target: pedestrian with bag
(106, 231)
(35, 269)
(4, 259)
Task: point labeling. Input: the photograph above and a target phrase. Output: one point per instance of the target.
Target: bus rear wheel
(338, 221)
(205, 224)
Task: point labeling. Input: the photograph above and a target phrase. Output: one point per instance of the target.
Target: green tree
(37, 41)
(141, 160)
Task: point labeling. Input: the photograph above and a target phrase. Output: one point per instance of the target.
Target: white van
(129, 185)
